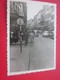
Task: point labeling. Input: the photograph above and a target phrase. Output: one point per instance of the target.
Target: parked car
(51, 34)
(45, 34)
(36, 34)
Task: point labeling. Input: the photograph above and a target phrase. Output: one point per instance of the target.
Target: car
(45, 34)
(51, 34)
(36, 34)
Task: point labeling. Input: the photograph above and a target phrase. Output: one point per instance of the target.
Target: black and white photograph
(31, 36)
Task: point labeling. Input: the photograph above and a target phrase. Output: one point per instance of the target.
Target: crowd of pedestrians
(27, 36)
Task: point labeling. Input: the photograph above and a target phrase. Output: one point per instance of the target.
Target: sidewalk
(19, 61)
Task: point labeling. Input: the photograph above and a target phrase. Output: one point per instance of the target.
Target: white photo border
(8, 40)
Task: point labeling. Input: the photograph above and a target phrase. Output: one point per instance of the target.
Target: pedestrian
(26, 38)
(15, 37)
(31, 37)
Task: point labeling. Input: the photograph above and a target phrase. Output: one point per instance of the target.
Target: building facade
(43, 19)
(48, 17)
(18, 10)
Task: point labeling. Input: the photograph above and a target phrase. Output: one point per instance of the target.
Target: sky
(32, 9)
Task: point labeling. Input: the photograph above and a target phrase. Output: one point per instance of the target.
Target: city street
(42, 53)
(39, 55)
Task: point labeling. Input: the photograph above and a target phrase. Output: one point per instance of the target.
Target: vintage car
(45, 34)
(36, 34)
(51, 34)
